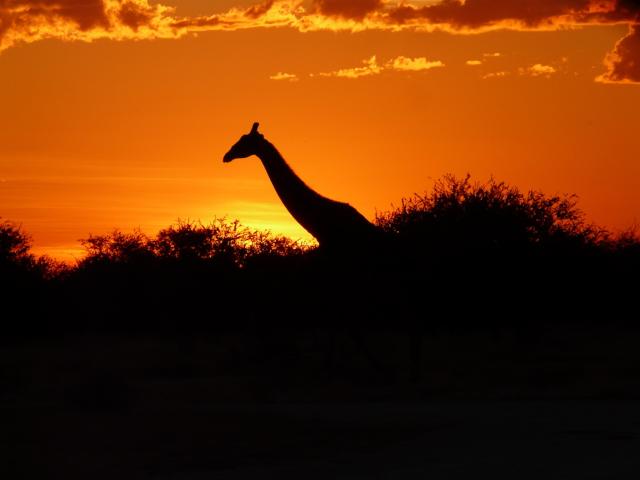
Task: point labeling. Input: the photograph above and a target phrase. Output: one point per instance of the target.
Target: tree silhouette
(458, 252)
(460, 214)
(15, 245)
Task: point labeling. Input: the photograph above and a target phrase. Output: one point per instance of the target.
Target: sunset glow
(116, 113)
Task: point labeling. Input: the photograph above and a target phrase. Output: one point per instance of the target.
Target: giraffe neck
(299, 199)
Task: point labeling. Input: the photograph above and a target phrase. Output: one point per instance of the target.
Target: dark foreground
(483, 332)
(98, 407)
(525, 440)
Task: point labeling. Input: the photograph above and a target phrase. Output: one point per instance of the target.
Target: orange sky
(129, 131)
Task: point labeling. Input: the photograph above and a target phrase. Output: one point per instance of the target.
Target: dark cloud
(630, 6)
(478, 14)
(32, 20)
(198, 22)
(259, 10)
(475, 15)
(624, 62)
(86, 14)
(135, 15)
(352, 9)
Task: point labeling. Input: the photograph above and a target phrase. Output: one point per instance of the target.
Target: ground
(105, 407)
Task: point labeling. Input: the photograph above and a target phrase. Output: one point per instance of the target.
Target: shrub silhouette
(459, 214)
(222, 242)
(16, 257)
(466, 254)
(116, 247)
(23, 280)
(15, 245)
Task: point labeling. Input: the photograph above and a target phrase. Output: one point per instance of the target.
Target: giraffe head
(248, 145)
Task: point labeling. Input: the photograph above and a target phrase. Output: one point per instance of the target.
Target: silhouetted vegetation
(25, 284)
(466, 259)
(531, 253)
(511, 256)
(221, 242)
(493, 216)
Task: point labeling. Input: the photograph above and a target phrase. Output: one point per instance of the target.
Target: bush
(222, 242)
(14, 244)
(459, 215)
(466, 253)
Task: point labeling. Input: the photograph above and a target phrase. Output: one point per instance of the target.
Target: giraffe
(337, 226)
(333, 224)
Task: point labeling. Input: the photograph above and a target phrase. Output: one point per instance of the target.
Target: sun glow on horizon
(265, 217)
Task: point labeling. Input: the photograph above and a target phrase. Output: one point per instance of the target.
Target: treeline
(461, 256)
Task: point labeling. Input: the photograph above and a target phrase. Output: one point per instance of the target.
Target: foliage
(116, 247)
(14, 243)
(459, 214)
(462, 251)
(16, 256)
(221, 241)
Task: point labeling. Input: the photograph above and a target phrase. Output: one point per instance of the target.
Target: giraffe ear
(254, 129)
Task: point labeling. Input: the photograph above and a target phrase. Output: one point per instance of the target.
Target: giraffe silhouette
(335, 225)
(340, 229)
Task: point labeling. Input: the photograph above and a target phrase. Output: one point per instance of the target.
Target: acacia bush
(17, 260)
(15, 244)
(24, 280)
(460, 215)
(489, 250)
(222, 242)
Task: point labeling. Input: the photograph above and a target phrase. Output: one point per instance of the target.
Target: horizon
(121, 121)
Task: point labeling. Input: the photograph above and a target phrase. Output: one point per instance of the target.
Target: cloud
(623, 64)
(478, 15)
(538, 70)
(267, 14)
(413, 64)
(372, 67)
(291, 77)
(353, 9)
(495, 75)
(474, 63)
(87, 20)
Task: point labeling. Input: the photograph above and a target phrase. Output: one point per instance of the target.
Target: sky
(116, 113)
